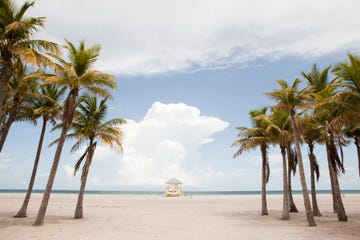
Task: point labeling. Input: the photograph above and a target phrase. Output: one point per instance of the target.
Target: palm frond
(79, 161)
(33, 57)
(20, 14)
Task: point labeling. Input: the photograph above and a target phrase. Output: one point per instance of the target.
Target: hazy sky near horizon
(188, 72)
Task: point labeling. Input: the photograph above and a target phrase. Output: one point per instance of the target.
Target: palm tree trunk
(315, 206)
(293, 207)
(331, 174)
(286, 208)
(309, 213)
(3, 84)
(68, 115)
(7, 125)
(357, 144)
(46, 197)
(340, 210)
(79, 205)
(291, 167)
(23, 209)
(337, 199)
(5, 75)
(264, 210)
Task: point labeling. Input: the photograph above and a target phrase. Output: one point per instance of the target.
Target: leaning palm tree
(45, 105)
(21, 91)
(77, 75)
(290, 100)
(250, 138)
(89, 126)
(16, 43)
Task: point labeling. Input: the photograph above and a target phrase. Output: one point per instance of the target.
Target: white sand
(132, 217)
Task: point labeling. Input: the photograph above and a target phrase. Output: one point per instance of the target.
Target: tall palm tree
(21, 92)
(77, 75)
(46, 106)
(278, 130)
(311, 135)
(16, 43)
(317, 81)
(290, 100)
(349, 74)
(89, 127)
(249, 138)
(292, 164)
(326, 111)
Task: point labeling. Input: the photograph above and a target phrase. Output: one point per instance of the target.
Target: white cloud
(6, 158)
(69, 171)
(144, 37)
(104, 153)
(166, 143)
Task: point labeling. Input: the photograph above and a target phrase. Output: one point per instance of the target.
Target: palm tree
(278, 130)
(292, 164)
(21, 91)
(279, 127)
(77, 75)
(89, 126)
(349, 74)
(311, 135)
(16, 43)
(326, 111)
(250, 138)
(46, 106)
(290, 99)
(317, 81)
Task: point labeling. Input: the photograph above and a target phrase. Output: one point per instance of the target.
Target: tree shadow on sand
(7, 220)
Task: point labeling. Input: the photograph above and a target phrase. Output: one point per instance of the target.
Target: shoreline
(186, 193)
(114, 216)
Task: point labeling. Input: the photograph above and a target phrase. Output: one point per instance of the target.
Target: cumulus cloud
(167, 143)
(145, 37)
(104, 154)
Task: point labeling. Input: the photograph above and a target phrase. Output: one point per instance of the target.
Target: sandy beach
(190, 217)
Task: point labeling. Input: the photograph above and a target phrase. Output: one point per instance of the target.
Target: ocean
(186, 193)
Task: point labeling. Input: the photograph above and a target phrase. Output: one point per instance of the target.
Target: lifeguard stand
(173, 188)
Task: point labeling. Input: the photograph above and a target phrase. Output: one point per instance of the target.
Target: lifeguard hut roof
(173, 181)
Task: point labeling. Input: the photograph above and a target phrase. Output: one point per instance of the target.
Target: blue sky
(188, 72)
